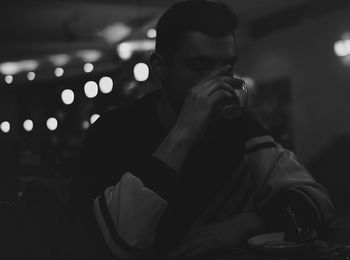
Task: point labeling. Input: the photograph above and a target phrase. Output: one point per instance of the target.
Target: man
(180, 173)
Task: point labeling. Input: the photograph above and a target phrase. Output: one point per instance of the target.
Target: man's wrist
(182, 137)
(253, 223)
(174, 149)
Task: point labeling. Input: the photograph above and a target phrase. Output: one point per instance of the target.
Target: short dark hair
(208, 17)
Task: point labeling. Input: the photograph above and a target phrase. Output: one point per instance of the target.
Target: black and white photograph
(174, 130)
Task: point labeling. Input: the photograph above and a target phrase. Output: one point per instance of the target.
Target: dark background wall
(320, 91)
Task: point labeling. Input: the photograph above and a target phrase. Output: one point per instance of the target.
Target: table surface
(319, 251)
(333, 244)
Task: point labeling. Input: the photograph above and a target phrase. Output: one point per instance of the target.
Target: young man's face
(197, 55)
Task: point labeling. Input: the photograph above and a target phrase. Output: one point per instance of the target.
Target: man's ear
(158, 65)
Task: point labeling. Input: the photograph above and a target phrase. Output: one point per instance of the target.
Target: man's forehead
(197, 44)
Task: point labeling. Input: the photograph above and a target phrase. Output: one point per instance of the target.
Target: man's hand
(200, 102)
(220, 236)
(194, 117)
(208, 238)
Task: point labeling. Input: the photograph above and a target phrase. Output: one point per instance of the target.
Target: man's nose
(228, 71)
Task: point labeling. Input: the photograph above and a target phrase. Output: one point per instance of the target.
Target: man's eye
(231, 65)
(199, 66)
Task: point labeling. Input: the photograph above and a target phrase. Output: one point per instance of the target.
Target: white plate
(274, 243)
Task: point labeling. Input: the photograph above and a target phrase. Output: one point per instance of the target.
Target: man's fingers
(221, 94)
(220, 86)
(199, 250)
(188, 248)
(228, 83)
(235, 83)
(210, 87)
(180, 252)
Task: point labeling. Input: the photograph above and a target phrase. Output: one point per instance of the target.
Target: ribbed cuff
(157, 176)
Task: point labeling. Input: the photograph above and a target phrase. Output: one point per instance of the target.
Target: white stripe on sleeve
(128, 215)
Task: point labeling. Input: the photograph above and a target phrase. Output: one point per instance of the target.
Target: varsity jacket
(128, 213)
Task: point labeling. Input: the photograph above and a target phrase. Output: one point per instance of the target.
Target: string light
(93, 118)
(31, 75)
(85, 124)
(5, 127)
(342, 48)
(106, 85)
(28, 125)
(141, 71)
(52, 123)
(67, 96)
(8, 79)
(88, 67)
(91, 89)
(59, 72)
(151, 33)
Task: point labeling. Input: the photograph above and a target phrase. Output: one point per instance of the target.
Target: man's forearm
(229, 233)
(174, 149)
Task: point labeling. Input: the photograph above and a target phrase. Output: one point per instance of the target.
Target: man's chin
(226, 125)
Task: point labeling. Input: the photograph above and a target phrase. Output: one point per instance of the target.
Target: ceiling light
(89, 55)
(126, 49)
(115, 32)
(15, 67)
(59, 59)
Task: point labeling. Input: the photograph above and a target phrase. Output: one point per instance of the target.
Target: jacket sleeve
(281, 181)
(127, 215)
(112, 191)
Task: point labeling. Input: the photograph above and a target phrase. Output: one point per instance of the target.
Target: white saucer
(274, 243)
